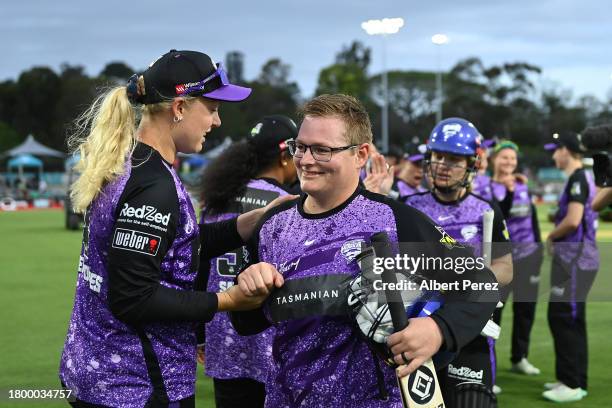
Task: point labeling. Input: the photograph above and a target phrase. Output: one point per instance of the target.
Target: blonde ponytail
(104, 137)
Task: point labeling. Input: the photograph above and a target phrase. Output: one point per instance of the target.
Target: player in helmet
(451, 161)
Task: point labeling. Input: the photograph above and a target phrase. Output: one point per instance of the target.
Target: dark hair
(227, 176)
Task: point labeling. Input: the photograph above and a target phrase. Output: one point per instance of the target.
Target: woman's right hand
(254, 285)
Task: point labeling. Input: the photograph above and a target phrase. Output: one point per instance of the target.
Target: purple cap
(229, 93)
(550, 146)
(416, 152)
(487, 143)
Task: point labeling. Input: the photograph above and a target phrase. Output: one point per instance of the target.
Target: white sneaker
(563, 393)
(551, 385)
(525, 367)
(496, 389)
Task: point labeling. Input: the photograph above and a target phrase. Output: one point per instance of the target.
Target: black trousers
(567, 321)
(472, 364)
(524, 286)
(239, 393)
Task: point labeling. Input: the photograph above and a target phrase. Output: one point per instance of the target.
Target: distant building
(234, 63)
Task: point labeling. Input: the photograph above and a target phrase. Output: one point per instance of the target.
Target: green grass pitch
(38, 261)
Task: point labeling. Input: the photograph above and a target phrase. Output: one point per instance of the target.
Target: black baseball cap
(272, 131)
(570, 140)
(188, 73)
(415, 152)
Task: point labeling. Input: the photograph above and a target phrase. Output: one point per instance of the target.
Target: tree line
(506, 100)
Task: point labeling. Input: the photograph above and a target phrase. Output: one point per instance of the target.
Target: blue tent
(25, 160)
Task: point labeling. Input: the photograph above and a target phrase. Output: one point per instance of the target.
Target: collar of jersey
(456, 202)
(328, 213)
(143, 152)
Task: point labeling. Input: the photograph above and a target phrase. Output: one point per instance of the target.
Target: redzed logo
(179, 89)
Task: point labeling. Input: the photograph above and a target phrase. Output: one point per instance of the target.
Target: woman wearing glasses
(452, 153)
(320, 358)
(247, 175)
(131, 339)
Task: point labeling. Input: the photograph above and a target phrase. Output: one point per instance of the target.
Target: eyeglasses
(319, 153)
(200, 86)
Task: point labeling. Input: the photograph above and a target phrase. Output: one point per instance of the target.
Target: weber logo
(464, 373)
(136, 241)
(146, 212)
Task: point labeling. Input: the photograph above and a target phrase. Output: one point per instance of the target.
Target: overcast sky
(569, 39)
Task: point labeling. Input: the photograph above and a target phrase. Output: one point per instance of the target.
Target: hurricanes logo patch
(351, 249)
(575, 188)
(469, 231)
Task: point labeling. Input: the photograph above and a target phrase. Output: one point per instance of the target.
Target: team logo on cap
(255, 131)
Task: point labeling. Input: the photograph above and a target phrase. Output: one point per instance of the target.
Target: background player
(248, 174)
(410, 177)
(516, 204)
(453, 150)
(573, 270)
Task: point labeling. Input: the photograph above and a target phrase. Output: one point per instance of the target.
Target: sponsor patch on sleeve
(446, 240)
(136, 241)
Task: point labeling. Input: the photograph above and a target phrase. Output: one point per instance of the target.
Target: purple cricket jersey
(481, 185)
(520, 221)
(405, 189)
(229, 355)
(322, 360)
(104, 359)
(580, 187)
(462, 219)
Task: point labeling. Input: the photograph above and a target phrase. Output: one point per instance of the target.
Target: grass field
(38, 261)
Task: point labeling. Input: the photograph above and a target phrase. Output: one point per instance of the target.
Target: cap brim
(416, 157)
(488, 143)
(551, 146)
(229, 93)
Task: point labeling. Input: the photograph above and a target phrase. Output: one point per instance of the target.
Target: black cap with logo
(272, 131)
(183, 73)
(568, 139)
